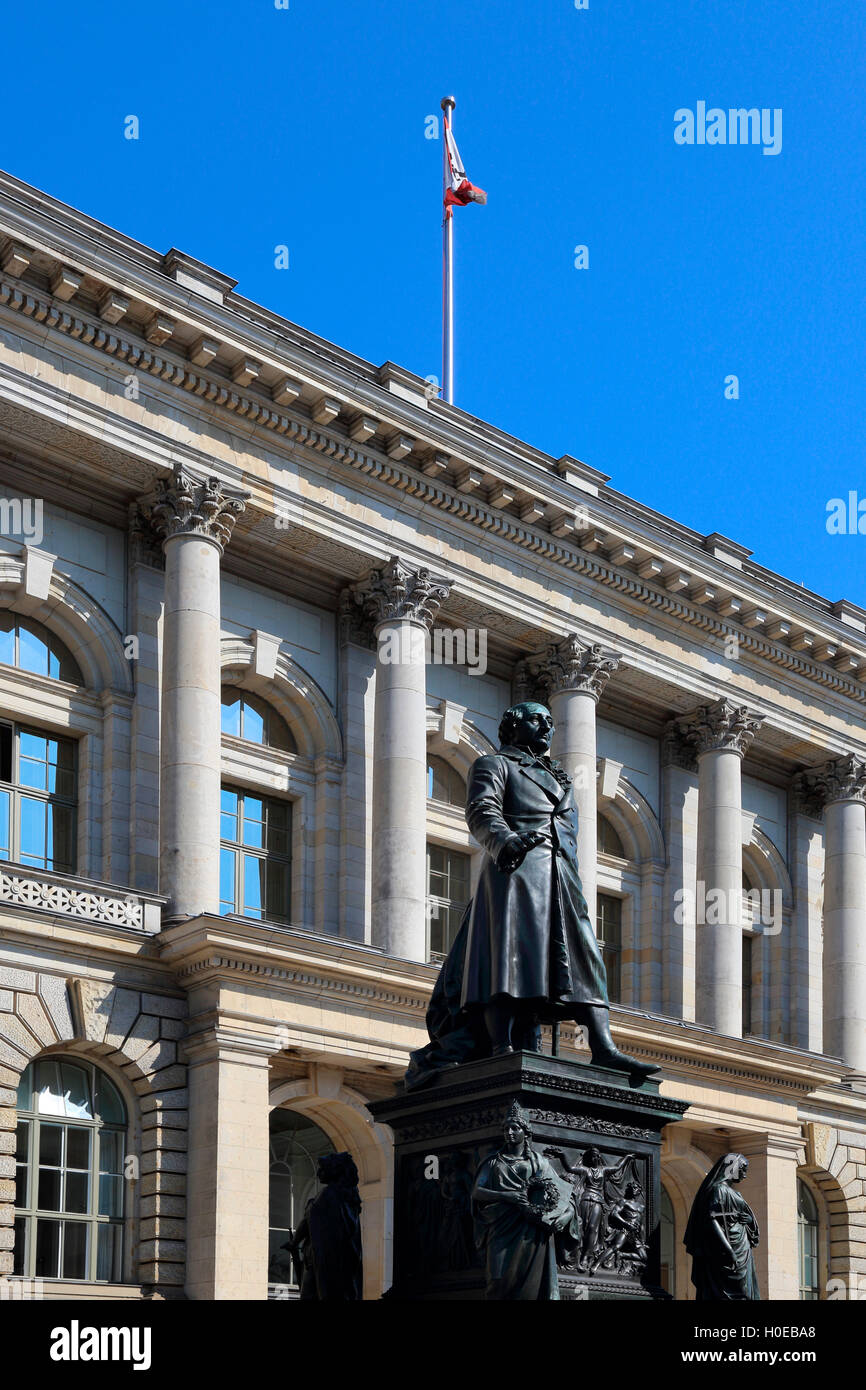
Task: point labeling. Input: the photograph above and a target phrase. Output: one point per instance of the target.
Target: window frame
(241, 851)
(18, 792)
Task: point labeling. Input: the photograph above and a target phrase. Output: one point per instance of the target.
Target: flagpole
(448, 104)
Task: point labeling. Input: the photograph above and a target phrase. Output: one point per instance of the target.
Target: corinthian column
(840, 785)
(401, 603)
(721, 733)
(570, 675)
(194, 517)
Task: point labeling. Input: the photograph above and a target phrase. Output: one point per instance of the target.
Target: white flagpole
(447, 104)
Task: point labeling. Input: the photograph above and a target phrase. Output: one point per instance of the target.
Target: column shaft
(574, 745)
(190, 734)
(845, 932)
(400, 792)
(719, 932)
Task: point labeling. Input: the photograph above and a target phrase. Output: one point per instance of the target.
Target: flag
(458, 190)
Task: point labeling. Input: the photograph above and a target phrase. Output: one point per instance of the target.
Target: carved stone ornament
(566, 665)
(186, 505)
(722, 725)
(840, 779)
(397, 593)
(676, 750)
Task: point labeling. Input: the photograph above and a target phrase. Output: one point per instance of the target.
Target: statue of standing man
(526, 952)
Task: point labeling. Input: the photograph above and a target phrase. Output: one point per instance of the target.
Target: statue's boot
(605, 1052)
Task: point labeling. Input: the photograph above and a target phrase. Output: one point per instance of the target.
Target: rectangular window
(608, 930)
(255, 856)
(447, 895)
(37, 799)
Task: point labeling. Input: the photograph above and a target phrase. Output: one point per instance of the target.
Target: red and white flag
(458, 190)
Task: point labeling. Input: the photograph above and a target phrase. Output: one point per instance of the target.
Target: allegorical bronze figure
(327, 1243)
(721, 1234)
(519, 1202)
(526, 952)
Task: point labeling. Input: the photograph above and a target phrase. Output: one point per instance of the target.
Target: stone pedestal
(442, 1133)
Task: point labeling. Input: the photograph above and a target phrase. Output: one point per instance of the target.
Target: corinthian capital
(398, 593)
(186, 505)
(722, 725)
(566, 665)
(840, 779)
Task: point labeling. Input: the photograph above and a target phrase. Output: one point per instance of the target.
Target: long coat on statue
(528, 933)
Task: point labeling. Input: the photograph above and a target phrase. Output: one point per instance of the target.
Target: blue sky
(305, 127)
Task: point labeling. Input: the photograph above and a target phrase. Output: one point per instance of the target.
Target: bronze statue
(327, 1243)
(721, 1234)
(519, 1202)
(526, 952)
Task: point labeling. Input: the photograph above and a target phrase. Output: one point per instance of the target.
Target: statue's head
(516, 1127)
(592, 1157)
(735, 1167)
(632, 1189)
(528, 725)
(337, 1168)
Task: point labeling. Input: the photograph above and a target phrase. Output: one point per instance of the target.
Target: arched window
(255, 855)
(69, 1173)
(297, 1144)
(667, 1244)
(807, 1239)
(246, 716)
(609, 841)
(444, 783)
(28, 645)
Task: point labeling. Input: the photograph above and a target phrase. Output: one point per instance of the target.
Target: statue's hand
(515, 851)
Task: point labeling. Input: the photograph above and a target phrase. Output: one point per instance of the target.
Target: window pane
(47, 1249)
(231, 713)
(20, 1240)
(32, 772)
(75, 1250)
(7, 639)
(253, 724)
(110, 1152)
(32, 652)
(110, 1196)
(279, 823)
(109, 1106)
(254, 815)
(48, 1196)
(228, 801)
(22, 1141)
(32, 832)
(25, 1089)
(279, 734)
(77, 1192)
(4, 825)
(278, 891)
(227, 881)
(254, 896)
(108, 1253)
(61, 838)
(61, 772)
(51, 1144)
(5, 753)
(50, 1096)
(75, 1083)
(77, 1147)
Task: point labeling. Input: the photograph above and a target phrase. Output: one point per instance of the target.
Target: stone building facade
(261, 605)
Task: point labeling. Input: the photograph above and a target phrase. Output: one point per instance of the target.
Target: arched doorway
(296, 1145)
